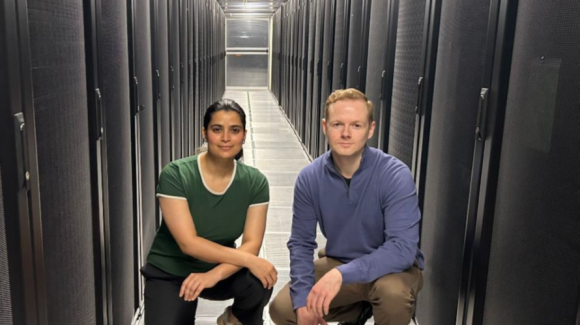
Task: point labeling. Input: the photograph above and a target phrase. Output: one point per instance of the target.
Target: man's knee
(393, 295)
(281, 309)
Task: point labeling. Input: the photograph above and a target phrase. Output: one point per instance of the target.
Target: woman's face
(225, 134)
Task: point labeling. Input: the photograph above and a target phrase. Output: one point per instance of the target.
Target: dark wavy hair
(225, 105)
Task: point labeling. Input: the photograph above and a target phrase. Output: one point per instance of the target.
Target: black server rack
(407, 71)
(175, 79)
(299, 59)
(307, 109)
(381, 59)
(326, 72)
(304, 67)
(356, 42)
(289, 109)
(22, 288)
(457, 85)
(317, 76)
(292, 36)
(64, 164)
(184, 75)
(164, 81)
(523, 207)
(198, 109)
(340, 44)
(110, 117)
(142, 129)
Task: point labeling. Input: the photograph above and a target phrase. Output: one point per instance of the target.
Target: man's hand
(194, 284)
(319, 298)
(305, 317)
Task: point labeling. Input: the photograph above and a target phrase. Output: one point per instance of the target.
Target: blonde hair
(349, 94)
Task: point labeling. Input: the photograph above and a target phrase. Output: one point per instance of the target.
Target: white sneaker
(224, 319)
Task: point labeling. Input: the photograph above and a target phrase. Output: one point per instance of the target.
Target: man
(366, 205)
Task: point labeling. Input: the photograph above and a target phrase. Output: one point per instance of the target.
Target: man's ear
(372, 130)
(324, 126)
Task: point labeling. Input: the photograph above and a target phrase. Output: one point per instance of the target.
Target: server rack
(407, 70)
(327, 66)
(60, 107)
(355, 44)
(379, 71)
(527, 174)
(184, 75)
(175, 73)
(98, 163)
(304, 68)
(307, 117)
(425, 96)
(339, 45)
(446, 192)
(317, 79)
(24, 286)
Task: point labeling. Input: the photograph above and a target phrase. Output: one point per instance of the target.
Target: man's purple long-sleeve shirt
(372, 225)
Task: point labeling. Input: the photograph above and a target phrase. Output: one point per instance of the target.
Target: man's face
(347, 127)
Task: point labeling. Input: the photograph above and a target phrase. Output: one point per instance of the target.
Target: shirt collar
(364, 163)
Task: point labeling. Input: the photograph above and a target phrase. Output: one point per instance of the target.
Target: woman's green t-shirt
(219, 217)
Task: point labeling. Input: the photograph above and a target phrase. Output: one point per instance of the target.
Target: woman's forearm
(211, 252)
(225, 270)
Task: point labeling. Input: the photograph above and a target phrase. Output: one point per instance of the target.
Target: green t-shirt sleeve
(260, 191)
(170, 184)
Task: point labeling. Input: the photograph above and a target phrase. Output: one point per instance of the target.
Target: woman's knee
(255, 286)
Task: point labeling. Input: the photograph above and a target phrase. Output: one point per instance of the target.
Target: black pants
(163, 306)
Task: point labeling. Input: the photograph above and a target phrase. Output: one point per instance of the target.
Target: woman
(208, 201)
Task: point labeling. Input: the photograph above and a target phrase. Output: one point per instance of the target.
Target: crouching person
(208, 201)
(366, 206)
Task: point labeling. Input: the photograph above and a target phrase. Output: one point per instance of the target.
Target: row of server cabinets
(481, 100)
(96, 96)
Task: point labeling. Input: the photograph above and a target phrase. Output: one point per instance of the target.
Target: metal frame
(485, 170)
(20, 182)
(240, 50)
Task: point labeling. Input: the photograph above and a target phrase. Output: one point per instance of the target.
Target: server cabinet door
(379, 24)
(449, 161)
(317, 75)
(326, 72)
(533, 207)
(408, 60)
(114, 75)
(60, 103)
(307, 117)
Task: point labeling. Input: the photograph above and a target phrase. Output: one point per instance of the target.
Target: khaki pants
(392, 297)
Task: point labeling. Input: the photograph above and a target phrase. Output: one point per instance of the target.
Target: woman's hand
(194, 284)
(264, 271)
